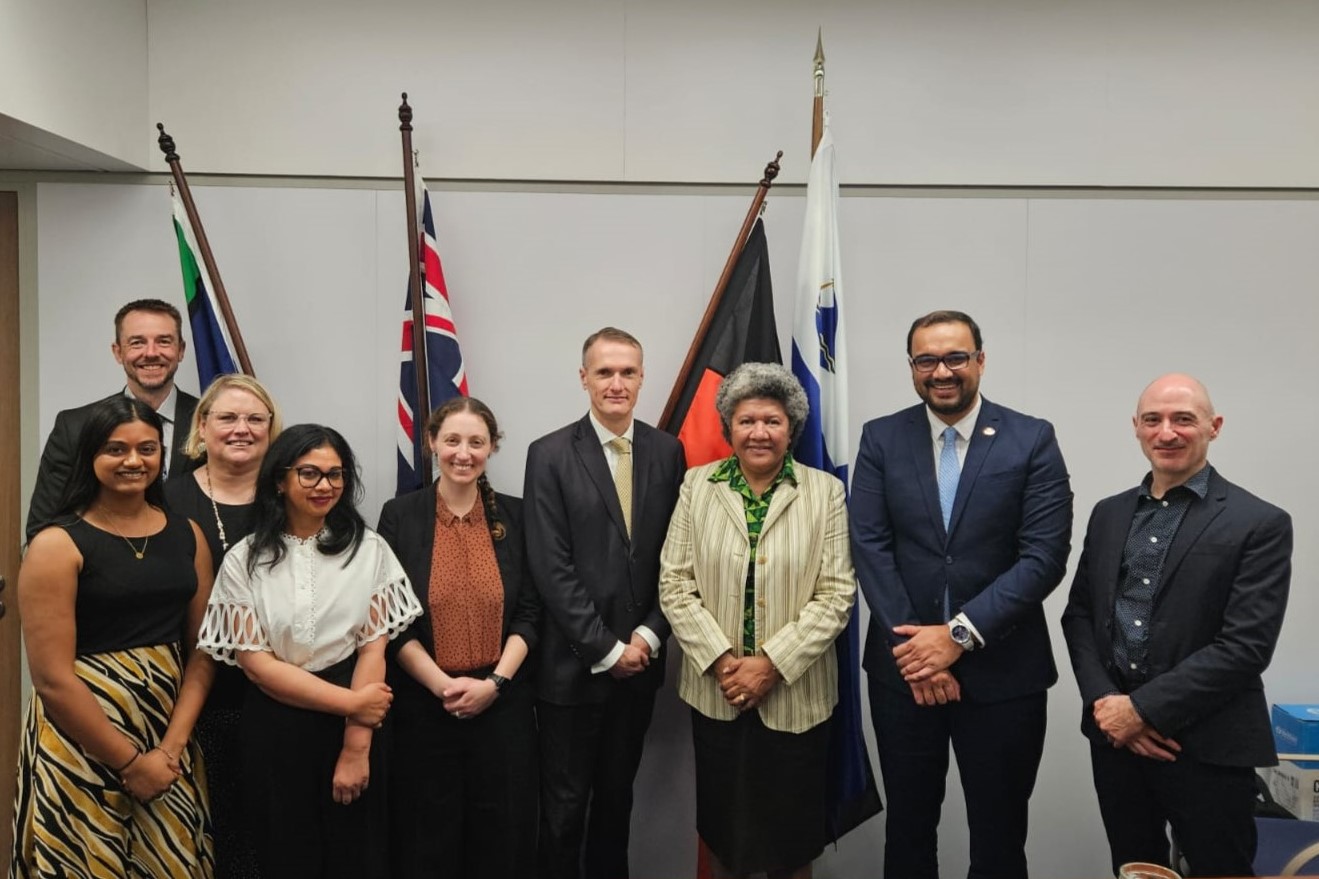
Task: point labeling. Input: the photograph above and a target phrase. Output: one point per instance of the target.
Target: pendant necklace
(210, 494)
(138, 553)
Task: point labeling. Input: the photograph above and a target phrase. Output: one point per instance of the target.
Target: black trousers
(1211, 810)
(463, 792)
(589, 756)
(998, 747)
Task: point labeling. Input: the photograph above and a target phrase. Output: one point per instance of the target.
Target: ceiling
(24, 147)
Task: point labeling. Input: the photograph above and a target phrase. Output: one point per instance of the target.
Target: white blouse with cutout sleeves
(310, 610)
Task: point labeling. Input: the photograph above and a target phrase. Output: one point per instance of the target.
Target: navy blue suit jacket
(1215, 622)
(1004, 551)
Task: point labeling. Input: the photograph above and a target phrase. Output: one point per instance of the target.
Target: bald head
(1180, 385)
(1175, 422)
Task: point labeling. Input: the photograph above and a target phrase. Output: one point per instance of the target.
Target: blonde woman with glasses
(232, 428)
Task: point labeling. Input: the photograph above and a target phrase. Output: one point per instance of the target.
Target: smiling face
(612, 374)
(949, 393)
(129, 460)
(307, 507)
(150, 350)
(1175, 422)
(236, 430)
(759, 432)
(462, 445)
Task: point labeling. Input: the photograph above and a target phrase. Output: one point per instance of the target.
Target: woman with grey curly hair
(756, 579)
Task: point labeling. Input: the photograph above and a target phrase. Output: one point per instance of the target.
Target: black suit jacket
(596, 583)
(1004, 551)
(1215, 622)
(407, 524)
(62, 444)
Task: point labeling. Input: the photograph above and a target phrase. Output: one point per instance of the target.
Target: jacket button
(948, 560)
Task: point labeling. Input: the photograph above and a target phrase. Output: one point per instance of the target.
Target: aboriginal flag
(741, 331)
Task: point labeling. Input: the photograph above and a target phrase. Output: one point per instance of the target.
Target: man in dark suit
(961, 519)
(149, 346)
(596, 565)
(1172, 618)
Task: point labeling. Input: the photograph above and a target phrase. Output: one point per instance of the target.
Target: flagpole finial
(819, 62)
(404, 114)
(166, 144)
(772, 169)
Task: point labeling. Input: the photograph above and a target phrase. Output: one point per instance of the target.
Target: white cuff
(975, 633)
(650, 638)
(610, 660)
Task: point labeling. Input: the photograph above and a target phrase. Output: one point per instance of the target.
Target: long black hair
(344, 526)
(82, 486)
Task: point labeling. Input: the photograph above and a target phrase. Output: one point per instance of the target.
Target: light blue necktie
(949, 472)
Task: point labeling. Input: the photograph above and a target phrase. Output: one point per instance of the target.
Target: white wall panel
(1082, 302)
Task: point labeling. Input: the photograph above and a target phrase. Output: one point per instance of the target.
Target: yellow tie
(623, 477)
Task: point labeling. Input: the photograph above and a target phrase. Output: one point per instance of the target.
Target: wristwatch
(500, 681)
(962, 635)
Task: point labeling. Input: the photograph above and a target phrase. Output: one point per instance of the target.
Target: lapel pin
(989, 431)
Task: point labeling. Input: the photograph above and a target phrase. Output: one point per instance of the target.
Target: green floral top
(756, 508)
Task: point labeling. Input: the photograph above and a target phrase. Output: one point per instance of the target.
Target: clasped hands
(745, 681)
(924, 659)
(635, 658)
(466, 697)
(151, 773)
(1123, 726)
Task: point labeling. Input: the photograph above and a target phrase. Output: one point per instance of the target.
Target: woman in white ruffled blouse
(305, 606)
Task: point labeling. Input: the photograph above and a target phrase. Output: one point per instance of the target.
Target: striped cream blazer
(804, 578)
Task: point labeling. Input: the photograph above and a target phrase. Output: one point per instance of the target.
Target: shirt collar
(446, 516)
(167, 408)
(965, 425)
(1198, 484)
(729, 470)
(605, 435)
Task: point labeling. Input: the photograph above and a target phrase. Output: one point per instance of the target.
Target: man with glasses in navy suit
(961, 524)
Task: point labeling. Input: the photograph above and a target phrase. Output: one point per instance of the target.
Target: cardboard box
(1296, 731)
(1296, 789)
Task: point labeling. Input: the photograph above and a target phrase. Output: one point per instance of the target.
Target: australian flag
(446, 376)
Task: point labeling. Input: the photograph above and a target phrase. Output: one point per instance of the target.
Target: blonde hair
(194, 448)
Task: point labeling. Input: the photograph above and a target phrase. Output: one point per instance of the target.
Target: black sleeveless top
(128, 602)
(185, 497)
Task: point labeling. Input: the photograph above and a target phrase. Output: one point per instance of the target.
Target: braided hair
(481, 410)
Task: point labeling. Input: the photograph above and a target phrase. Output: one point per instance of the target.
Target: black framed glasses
(954, 360)
(310, 477)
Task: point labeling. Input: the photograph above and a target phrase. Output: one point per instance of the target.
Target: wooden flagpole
(757, 201)
(419, 362)
(208, 259)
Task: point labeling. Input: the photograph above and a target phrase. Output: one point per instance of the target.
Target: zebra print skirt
(73, 817)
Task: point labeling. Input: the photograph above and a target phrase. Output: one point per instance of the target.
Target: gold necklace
(139, 553)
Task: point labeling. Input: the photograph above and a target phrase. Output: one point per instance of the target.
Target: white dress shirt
(607, 436)
(965, 426)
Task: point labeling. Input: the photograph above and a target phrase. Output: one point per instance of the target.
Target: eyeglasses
(256, 421)
(954, 360)
(310, 477)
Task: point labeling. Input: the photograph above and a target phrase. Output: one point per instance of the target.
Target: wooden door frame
(11, 528)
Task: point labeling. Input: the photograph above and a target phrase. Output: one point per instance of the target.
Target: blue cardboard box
(1296, 731)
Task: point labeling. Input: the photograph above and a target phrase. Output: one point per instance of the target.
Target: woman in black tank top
(112, 592)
